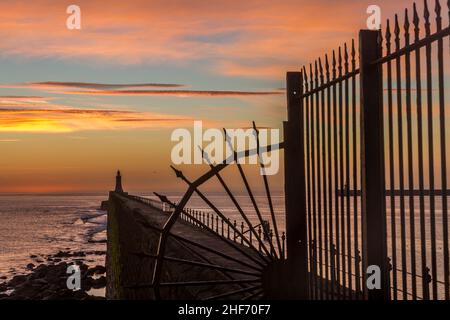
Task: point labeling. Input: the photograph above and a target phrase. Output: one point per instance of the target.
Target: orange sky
(75, 105)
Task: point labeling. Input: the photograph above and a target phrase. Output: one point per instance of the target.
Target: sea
(35, 225)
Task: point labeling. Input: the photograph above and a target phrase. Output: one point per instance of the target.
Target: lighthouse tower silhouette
(118, 188)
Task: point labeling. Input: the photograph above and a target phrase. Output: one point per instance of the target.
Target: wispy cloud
(177, 93)
(71, 120)
(21, 100)
(9, 140)
(96, 86)
(102, 89)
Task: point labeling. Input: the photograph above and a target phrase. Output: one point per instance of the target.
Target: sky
(76, 105)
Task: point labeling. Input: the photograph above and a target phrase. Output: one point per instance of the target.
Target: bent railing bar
(232, 293)
(252, 152)
(163, 239)
(171, 221)
(266, 186)
(258, 295)
(221, 254)
(195, 283)
(238, 207)
(249, 191)
(230, 243)
(217, 211)
(199, 264)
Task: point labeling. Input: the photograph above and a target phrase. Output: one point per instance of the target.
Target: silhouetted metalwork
(353, 115)
(365, 178)
(255, 258)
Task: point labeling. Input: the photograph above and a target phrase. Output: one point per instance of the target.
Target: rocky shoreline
(48, 280)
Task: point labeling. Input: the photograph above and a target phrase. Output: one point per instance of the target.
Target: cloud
(9, 140)
(96, 86)
(177, 93)
(101, 89)
(19, 100)
(48, 120)
(219, 34)
(25, 98)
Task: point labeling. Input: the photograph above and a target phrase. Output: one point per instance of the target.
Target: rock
(40, 271)
(33, 256)
(40, 282)
(104, 205)
(96, 270)
(97, 241)
(3, 287)
(79, 254)
(17, 280)
(48, 282)
(80, 295)
(26, 290)
(98, 283)
(30, 266)
(62, 254)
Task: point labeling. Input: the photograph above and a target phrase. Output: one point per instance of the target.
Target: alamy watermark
(74, 280)
(73, 22)
(215, 146)
(374, 19)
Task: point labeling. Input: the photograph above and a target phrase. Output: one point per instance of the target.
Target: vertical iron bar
(324, 186)
(347, 172)
(313, 178)
(372, 161)
(336, 182)
(330, 182)
(443, 151)
(341, 179)
(428, 52)
(319, 183)
(391, 166)
(425, 288)
(320, 166)
(355, 175)
(308, 180)
(410, 163)
(400, 163)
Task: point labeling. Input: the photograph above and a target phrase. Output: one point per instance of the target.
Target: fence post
(295, 189)
(372, 162)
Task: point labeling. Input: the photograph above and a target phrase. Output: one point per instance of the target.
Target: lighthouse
(118, 183)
